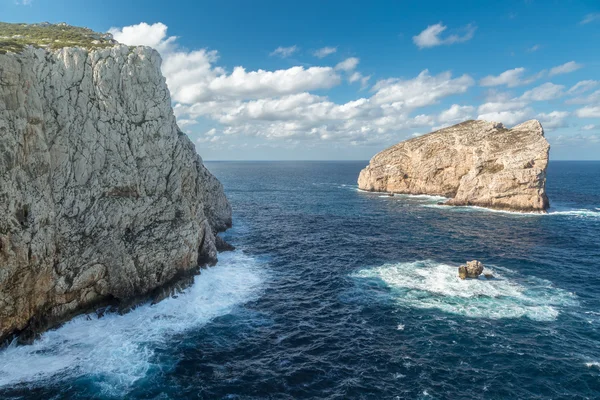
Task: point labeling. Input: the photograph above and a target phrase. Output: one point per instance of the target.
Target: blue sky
(343, 80)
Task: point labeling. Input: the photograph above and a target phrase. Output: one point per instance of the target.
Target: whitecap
(553, 211)
(429, 284)
(120, 348)
(593, 364)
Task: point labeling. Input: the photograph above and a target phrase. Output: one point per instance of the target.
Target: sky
(332, 80)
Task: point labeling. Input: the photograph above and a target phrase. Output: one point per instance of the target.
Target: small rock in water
(488, 276)
(391, 194)
(472, 270)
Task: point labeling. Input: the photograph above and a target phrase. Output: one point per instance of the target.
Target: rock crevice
(475, 163)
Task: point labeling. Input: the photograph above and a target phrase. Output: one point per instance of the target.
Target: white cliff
(103, 200)
(476, 163)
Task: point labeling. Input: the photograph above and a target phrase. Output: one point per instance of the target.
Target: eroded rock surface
(102, 198)
(472, 269)
(475, 163)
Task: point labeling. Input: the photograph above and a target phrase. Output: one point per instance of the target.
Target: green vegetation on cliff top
(15, 37)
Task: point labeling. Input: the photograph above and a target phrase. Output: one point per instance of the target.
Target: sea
(336, 293)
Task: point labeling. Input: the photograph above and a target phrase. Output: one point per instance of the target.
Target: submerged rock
(475, 163)
(103, 200)
(471, 270)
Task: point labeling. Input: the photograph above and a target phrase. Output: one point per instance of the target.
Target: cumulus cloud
(144, 34)
(588, 127)
(509, 118)
(547, 91)
(324, 51)
(284, 52)
(554, 119)
(279, 104)
(456, 113)
(420, 91)
(511, 78)
(588, 112)
(564, 68)
(349, 64)
(432, 36)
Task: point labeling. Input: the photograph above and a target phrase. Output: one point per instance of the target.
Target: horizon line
(347, 160)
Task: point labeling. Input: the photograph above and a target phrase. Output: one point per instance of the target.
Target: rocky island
(474, 163)
(103, 199)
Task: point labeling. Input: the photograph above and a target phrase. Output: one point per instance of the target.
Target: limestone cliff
(475, 163)
(103, 199)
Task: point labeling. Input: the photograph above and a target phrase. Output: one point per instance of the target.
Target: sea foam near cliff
(121, 348)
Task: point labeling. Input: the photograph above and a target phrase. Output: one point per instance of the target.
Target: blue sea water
(334, 293)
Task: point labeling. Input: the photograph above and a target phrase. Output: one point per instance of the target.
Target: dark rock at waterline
(222, 245)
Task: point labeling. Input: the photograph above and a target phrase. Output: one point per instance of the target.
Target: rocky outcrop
(476, 163)
(471, 270)
(103, 199)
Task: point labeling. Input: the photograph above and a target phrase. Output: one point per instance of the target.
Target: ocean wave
(429, 284)
(554, 211)
(120, 348)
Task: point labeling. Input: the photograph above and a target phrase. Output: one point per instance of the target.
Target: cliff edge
(474, 163)
(103, 200)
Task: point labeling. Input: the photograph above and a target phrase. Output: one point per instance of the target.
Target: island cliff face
(103, 200)
(474, 163)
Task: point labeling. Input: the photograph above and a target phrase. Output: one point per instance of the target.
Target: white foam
(425, 197)
(554, 211)
(593, 364)
(428, 284)
(120, 348)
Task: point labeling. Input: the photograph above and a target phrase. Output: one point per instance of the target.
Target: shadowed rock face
(102, 198)
(476, 163)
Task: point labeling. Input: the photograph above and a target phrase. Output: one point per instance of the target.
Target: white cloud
(193, 77)
(499, 106)
(590, 18)
(358, 77)
(554, 119)
(284, 52)
(456, 113)
(324, 51)
(588, 127)
(349, 64)
(23, 2)
(591, 98)
(508, 118)
(547, 91)
(420, 91)
(533, 48)
(431, 36)
(278, 104)
(583, 86)
(511, 78)
(144, 34)
(588, 112)
(564, 68)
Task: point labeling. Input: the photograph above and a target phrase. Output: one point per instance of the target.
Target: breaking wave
(428, 284)
(120, 349)
(554, 211)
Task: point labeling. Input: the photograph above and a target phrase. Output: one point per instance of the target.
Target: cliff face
(474, 163)
(102, 198)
